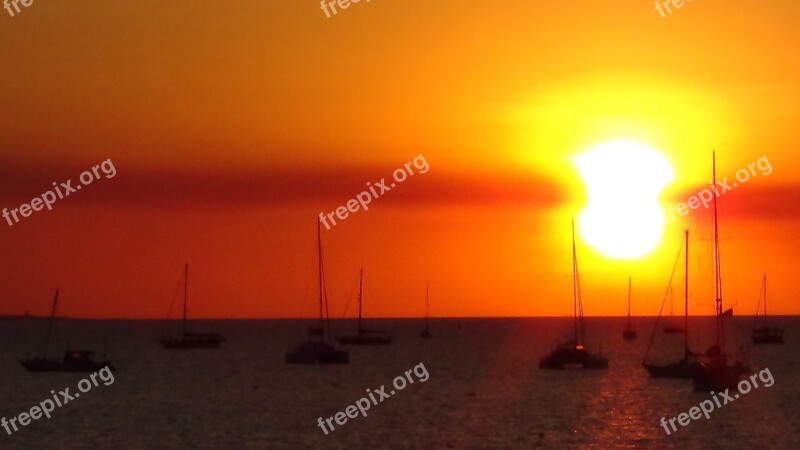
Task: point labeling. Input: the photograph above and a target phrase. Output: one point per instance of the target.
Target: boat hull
(768, 336)
(194, 342)
(673, 330)
(51, 365)
(629, 335)
(317, 353)
(364, 340)
(572, 358)
(674, 370)
(718, 376)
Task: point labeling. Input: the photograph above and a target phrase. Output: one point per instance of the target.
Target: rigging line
(664, 300)
(758, 303)
(350, 297)
(171, 304)
(325, 294)
(306, 304)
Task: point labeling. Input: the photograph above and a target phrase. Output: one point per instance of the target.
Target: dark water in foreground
(484, 390)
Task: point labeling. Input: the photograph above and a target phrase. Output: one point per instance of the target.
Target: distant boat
(671, 327)
(629, 334)
(687, 366)
(319, 352)
(191, 340)
(363, 336)
(722, 371)
(572, 354)
(426, 333)
(765, 334)
(74, 360)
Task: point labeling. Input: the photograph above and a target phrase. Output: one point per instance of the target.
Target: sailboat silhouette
(364, 336)
(723, 370)
(322, 351)
(687, 366)
(629, 334)
(766, 334)
(572, 354)
(190, 340)
(74, 360)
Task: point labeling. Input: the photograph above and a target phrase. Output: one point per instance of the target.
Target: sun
(623, 218)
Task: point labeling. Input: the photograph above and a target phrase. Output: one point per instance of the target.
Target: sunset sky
(232, 125)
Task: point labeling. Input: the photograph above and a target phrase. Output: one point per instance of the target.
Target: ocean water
(484, 390)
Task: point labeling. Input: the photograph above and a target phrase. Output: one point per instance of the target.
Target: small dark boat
(319, 352)
(629, 334)
(73, 361)
(363, 336)
(314, 352)
(684, 368)
(573, 355)
(189, 340)
(193, 340)
(765, 334)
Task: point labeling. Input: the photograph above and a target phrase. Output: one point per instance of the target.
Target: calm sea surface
(484, 390)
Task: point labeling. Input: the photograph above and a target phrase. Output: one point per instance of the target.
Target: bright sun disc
(623, 218)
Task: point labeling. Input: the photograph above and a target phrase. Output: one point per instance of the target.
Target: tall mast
(717, 275)
(427, 304)
(50, 326)
(185, 294)
(686, 297)
(360, 298)
(629, 302)
(575, 283)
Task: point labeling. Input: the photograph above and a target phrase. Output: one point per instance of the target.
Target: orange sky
(232, 125)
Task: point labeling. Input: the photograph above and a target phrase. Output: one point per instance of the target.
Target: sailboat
(319, 352)
(629, 334)
(363, 336)
(191, 340)
(426, 333)
(765, 334)
(671, 327)
(722, 371)
(74, 360)
(687, 366)
(572, 354)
